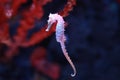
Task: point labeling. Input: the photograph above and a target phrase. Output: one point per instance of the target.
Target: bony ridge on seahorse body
(60, 36)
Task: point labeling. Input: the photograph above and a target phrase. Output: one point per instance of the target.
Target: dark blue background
(93, 43)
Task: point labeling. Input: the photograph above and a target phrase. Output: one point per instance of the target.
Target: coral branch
(68, 7)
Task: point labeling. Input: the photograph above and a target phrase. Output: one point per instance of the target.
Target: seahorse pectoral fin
(64, 38)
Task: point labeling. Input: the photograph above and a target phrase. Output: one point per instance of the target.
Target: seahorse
(60, 36)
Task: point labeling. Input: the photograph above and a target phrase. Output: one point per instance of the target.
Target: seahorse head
(52, 19)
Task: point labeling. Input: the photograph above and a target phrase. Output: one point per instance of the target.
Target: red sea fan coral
(38, 60)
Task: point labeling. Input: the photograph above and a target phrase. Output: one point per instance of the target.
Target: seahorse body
(60, 37)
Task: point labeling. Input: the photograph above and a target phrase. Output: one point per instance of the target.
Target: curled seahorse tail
(73, 74)
(68, 58)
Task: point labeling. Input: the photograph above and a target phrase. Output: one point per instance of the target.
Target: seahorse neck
(60, 21)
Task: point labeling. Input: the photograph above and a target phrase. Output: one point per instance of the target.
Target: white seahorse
(60, 37)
